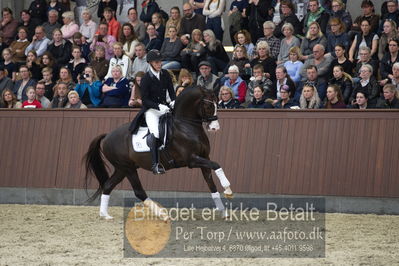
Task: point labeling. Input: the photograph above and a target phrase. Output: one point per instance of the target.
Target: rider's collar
(155, 73)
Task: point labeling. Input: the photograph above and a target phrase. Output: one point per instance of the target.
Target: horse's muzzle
(214, 126)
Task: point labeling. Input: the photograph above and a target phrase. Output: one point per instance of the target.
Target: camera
(100, 38)
(85, 76)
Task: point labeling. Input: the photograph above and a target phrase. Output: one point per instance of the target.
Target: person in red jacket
(113, 24)
(31, 102)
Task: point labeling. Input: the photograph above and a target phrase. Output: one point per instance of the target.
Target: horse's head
(198, 104)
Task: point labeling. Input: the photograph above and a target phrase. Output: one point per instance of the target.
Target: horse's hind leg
(140, 193)
(109, 185)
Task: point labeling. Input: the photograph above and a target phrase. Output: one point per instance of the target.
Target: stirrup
(158, 169)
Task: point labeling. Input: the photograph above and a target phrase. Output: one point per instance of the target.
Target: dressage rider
(158, 96)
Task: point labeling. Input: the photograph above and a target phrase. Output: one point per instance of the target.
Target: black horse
(188, 146)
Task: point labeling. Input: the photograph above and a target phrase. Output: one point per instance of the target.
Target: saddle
(139, 138)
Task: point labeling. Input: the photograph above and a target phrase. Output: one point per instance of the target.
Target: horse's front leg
(203, 163)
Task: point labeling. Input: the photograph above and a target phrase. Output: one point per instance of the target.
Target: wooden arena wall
(337, 153)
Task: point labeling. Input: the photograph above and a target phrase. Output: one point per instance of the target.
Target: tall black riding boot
(153, 143)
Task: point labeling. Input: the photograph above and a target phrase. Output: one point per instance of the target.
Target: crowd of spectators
(284, 55)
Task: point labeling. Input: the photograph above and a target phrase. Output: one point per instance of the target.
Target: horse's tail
(94, 163)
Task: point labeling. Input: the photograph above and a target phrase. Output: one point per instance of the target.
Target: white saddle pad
(139, 142)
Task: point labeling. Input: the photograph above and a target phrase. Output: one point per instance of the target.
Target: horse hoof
(229, 196)
(106, 216)
(225, 215)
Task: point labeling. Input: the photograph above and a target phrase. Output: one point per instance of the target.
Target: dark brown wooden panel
(343, 153)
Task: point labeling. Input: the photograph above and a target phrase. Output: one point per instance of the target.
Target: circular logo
(146, 233)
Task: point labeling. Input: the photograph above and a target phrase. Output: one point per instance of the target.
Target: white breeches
(152, 120)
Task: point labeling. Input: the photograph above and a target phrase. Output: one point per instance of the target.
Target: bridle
(211, 118)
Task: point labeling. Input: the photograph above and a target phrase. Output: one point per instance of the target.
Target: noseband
(211, 118)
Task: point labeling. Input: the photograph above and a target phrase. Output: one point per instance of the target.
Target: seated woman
(344, 82)
(151, 40)
(46, 60)
(215, 52)
(170, 50)
(361, 101)
(185, 78)
(135, 96)
(236, 83)
(391, 98)
(240, 59)
(49, 83)
(99, 63)
(69, 27)
(9, 100)
(88, 88)
(31, 102)
(258, 79)
(60, 99)
(60, 49)
(287, 43)
(243, 38)
(285, 101)
(157, 21)
(364, 38)
(9, 65)
(367, 83)
(120, 59)
(341, 60)
(258, 100)
(34, 68)
(337, 35)
(263, 58)
(335, 100)
(365, 58)
(313, 36)
(74, 101)
(22, 84)
(116, 90)
(18, 46)
(77, 64)
(309, 98)
(226, 99)
(293, 65)
(80, 41)
(66, 77)
(194, 53)
(128, 38)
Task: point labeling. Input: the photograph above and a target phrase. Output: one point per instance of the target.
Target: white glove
(172, 104)
(163, 108)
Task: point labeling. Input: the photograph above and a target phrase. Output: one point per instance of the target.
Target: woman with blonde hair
(390, 32)
(158, 23)
(226, 99)
(216, 54)
(65, 76)
(88, 88)
(69, 27)
(88, 27)
(185, 78)
(194, 53)
(313, 36)
(174, 20)
(309, 98)
(294, 65)
(391, 98)
(74, 101)
(243, 38)
(263, 58)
